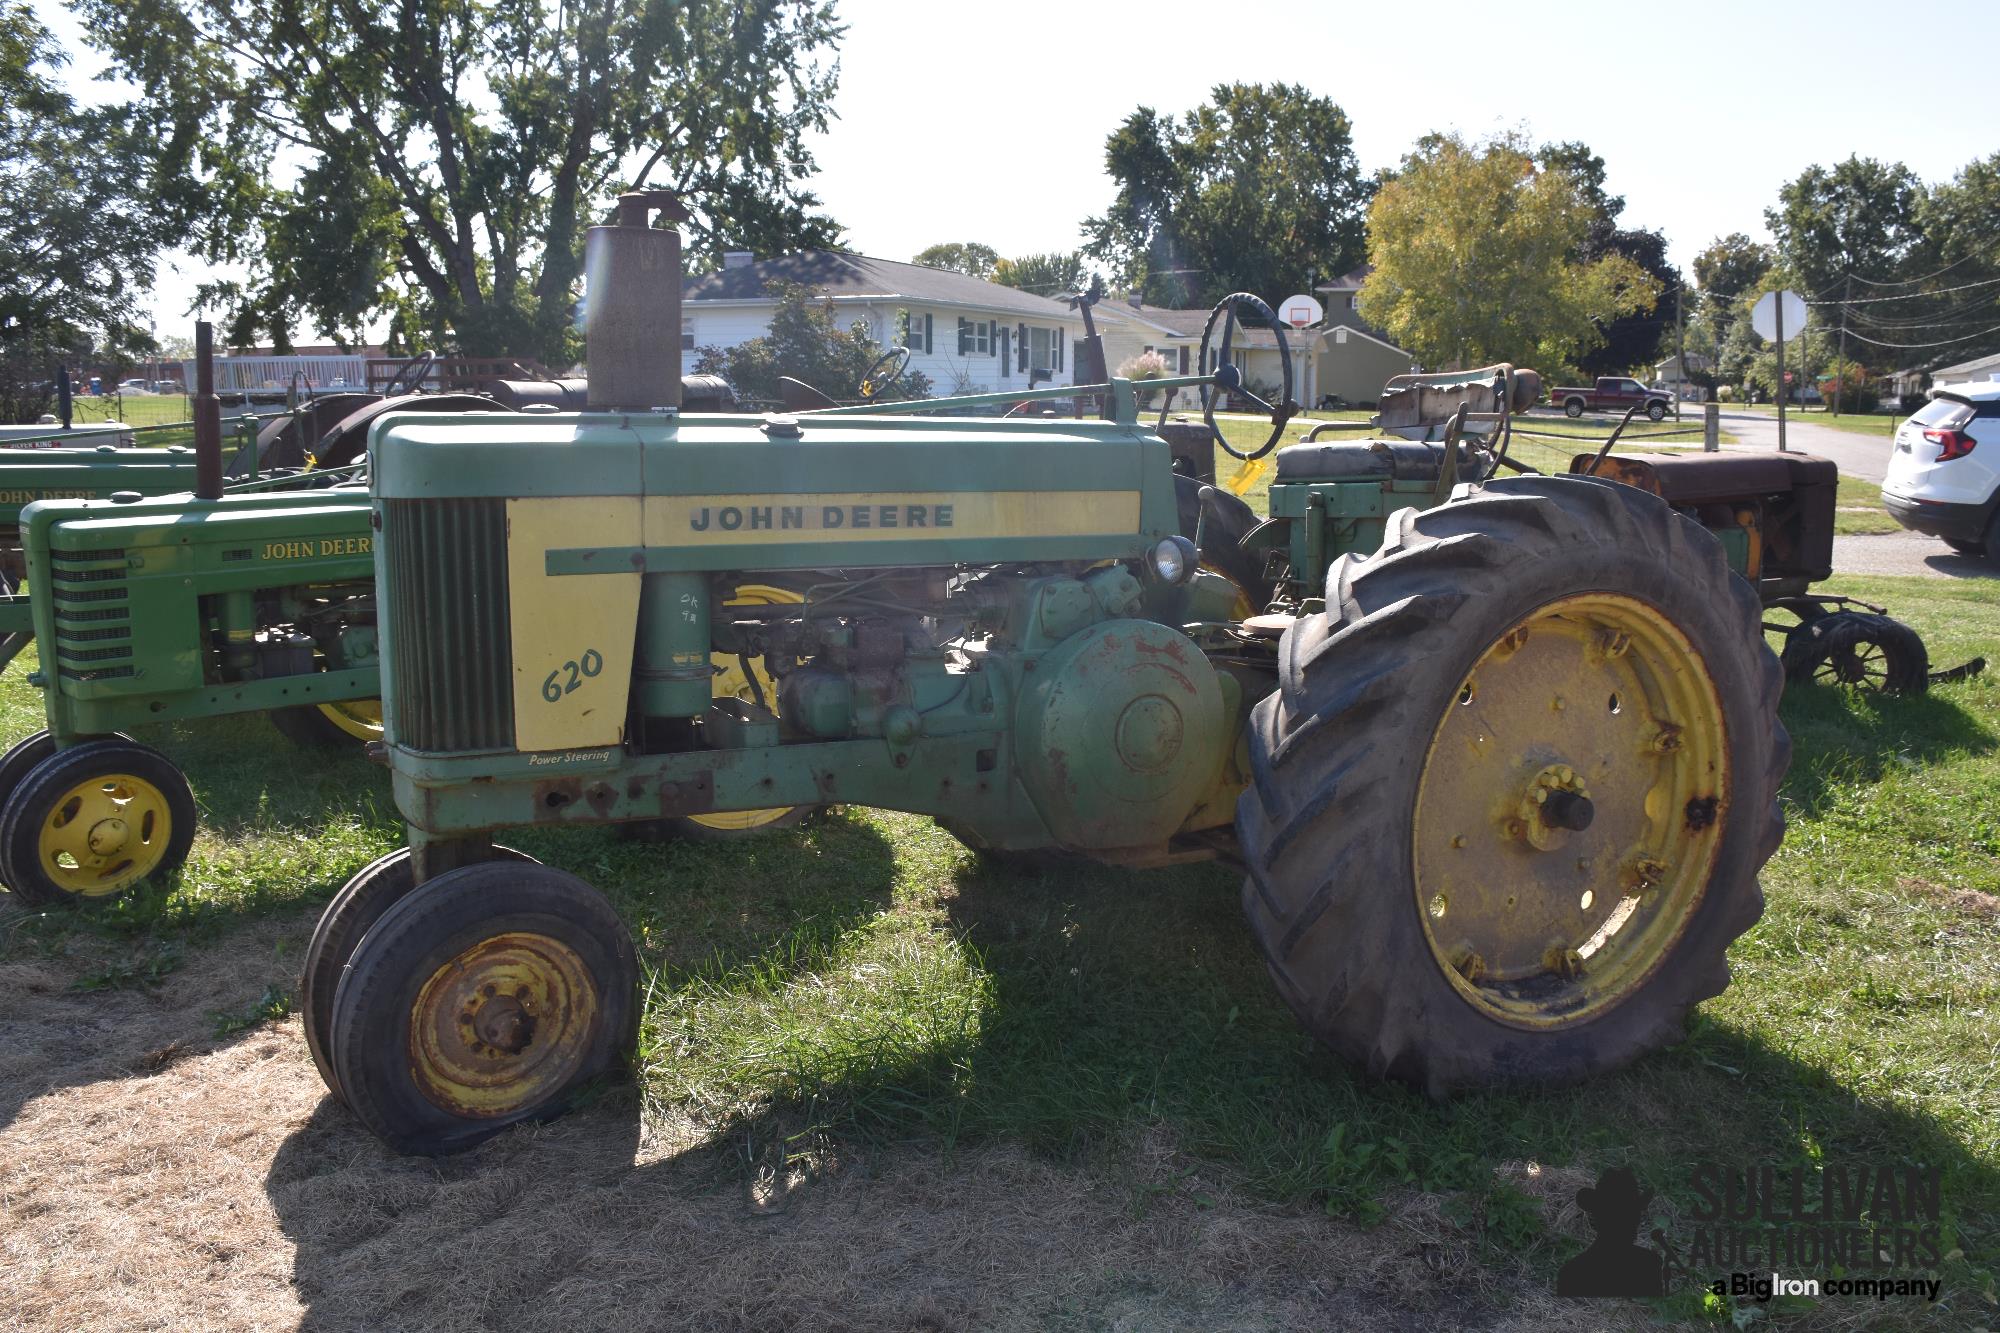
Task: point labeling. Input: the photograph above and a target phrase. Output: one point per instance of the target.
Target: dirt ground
(155, 1176)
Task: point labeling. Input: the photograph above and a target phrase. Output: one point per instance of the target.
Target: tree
(437, 161)
(1730, 265)
(1045, 275)
(1636, 338)
(77, 240)
(1257, 190)
(967, 257)
(1857, 217)
(1476, 251)
(807, 343)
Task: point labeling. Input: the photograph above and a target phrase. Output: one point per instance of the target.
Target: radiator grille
(88, 587)
(451, 679)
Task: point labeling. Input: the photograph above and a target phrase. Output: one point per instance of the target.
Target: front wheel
(1511, 796)
(487, 996)
(1656, 411)
(1860, 650)
(94, 820)
(331, 726)
(361, 902)
(1573, 408)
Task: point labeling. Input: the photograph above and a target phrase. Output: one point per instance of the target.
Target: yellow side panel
(574, 634)
(884, 516)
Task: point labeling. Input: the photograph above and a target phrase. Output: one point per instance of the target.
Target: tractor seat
(1371, 460)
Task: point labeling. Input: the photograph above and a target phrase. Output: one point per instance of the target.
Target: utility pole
(1782, 386)
(1680, 350)
(1846, 296)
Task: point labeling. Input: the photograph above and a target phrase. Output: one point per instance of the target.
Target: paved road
(1907, 553)
(1855, 455)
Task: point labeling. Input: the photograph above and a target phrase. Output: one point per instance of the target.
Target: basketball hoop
(1301, 311)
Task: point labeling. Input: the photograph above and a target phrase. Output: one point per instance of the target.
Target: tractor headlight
(1172, 560)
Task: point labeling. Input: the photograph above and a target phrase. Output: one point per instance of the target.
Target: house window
(687, 335)
(975, 336)
(1041, 353)
(913, 330)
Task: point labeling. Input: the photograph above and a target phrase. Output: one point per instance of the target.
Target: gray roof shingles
(836, 274)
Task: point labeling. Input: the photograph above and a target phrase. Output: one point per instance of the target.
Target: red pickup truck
(1612, 393)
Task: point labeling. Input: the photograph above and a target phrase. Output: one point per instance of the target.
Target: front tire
(334, 726)
(1573, 408)
(94, 820)
(1511, 796)
(485, 997)
(1656, 411)
(361, 902)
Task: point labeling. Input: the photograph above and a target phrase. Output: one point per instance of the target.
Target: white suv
(1944, 472)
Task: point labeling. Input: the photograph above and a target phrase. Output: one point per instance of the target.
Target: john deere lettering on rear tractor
(1502, 769)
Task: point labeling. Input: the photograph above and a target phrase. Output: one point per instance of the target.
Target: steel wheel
(1565, 820)
(94, 820)
(485, 997)
(1858, 650)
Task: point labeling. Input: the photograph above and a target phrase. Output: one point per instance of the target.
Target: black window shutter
(1059, 347)
(927, 334)
(964, 336)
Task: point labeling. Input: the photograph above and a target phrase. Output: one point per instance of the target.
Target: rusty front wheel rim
(1594, 710)
(503, 1027)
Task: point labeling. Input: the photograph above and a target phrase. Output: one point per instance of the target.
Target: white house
(1966, 372)
(966, 334)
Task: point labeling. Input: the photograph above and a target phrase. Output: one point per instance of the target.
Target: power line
(1911, 296)
(1911, 347)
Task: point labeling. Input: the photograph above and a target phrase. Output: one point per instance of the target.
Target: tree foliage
(1730, 265)
(1046, 274)
(1256, 190)
(1858, 216)
(1477, 254)
(807, 343)
(1639, 337)
(437, 161)
(77, 240)
(967, 257)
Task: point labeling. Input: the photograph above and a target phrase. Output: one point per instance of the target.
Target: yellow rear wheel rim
(1595, 710)
(731, 683)
(504, 1026)
(359, 718)
(105, 834)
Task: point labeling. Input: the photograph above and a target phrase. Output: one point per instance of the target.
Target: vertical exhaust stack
(632, 306)
(207, 416)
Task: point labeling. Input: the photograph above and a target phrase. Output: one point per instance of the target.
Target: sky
(980, 122)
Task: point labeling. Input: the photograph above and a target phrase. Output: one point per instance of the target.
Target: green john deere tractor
(1500, 757)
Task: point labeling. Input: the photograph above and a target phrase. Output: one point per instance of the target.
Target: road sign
(1301, 311)
(1765, 316)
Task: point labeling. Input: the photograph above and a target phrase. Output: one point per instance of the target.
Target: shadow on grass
(1112, 1005)
(1844, 738)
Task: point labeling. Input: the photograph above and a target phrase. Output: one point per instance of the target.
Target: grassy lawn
(866, 981)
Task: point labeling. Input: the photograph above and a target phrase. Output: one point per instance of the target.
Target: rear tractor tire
(361, 902)
(488, 996)
(1511, 796)
(1859, 649)
(91, 821)
(334, 726)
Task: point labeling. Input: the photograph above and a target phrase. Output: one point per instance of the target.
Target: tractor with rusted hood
(1499, 756)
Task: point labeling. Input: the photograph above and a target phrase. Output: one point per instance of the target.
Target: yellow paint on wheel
(104, 835)
(731, 683)
(359, 718)
(504, 1026)
(1570, 810)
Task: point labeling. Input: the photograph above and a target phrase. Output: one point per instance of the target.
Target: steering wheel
(413, 372)
(1227, 377)
(882, 372)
